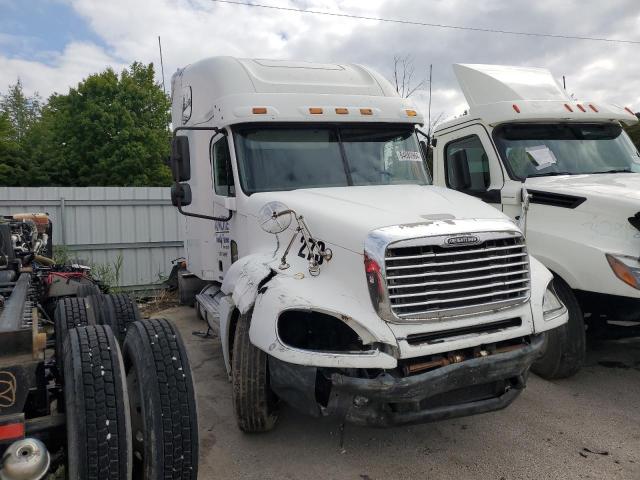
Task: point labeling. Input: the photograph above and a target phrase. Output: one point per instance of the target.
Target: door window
(222, 173)
(467, 165)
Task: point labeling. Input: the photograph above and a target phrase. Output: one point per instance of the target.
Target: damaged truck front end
(367, 340)
(455, 385)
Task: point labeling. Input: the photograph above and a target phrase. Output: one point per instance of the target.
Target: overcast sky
(53, 44)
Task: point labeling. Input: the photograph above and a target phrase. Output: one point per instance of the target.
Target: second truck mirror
(180, 194)
(180, 162)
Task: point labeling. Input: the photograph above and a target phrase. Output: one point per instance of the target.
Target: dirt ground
(586, 427)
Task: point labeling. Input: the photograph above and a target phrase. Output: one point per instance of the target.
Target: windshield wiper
(619, 170)
(549, 174)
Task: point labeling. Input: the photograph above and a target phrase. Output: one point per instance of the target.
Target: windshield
(533, 150)
(287, 158)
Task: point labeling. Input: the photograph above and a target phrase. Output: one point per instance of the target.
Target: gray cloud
(194, 29)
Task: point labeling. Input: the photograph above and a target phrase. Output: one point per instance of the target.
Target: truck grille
(430, 280)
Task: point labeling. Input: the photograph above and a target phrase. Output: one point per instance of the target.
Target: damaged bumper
(470, 387)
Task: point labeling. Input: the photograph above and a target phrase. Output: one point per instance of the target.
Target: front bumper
(613, 307)
(470, 387)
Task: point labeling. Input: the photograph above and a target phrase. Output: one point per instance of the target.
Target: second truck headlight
(626, 268)
(552, 307)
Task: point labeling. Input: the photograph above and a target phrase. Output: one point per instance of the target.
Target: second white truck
(526, 143)
(338, 278)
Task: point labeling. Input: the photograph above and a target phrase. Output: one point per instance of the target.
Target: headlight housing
(626, 268)
(552, 306)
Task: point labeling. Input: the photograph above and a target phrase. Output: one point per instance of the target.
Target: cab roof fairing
(498, 94)
(224, 90)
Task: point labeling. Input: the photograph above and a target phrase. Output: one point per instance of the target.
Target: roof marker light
(516, 108)
(568, 107)
(581, 108)
(411, 113)
(593, 108)
(259, 110)
(366, 111)
(315, 110)
(342, 111)
(629, 110)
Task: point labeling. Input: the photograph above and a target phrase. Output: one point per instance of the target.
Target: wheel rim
(137, 423)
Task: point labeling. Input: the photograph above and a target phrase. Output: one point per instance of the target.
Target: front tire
(253, 401)
(566, 345)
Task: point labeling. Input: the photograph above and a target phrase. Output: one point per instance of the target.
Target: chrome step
(207, 306)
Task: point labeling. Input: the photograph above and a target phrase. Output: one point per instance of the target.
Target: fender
(289, 293)
(244, 277)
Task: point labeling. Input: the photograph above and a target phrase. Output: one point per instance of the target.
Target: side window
(467, 165)
(187, 104)
(222, 173)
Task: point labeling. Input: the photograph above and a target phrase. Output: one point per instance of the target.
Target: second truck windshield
(535, 149)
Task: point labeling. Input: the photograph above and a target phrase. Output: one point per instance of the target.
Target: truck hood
(344, 216)
(602, 191)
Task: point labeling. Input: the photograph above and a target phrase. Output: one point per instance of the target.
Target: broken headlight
(626, 268)
(552, 306)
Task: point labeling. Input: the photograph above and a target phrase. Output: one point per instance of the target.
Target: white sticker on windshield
(408, 156)
(542, 156)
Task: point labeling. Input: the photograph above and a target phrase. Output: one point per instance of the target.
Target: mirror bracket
(178, 199)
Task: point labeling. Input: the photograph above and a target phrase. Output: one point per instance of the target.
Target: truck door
(223, 196)
(471, 165)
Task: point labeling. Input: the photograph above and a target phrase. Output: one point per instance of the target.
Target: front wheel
(253, 401)
(566, 345)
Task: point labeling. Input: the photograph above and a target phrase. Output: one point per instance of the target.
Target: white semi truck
(338, 278)
(524, 140)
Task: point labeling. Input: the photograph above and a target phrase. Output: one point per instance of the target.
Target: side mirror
(180, 194)
(459, 175)
(180, 161)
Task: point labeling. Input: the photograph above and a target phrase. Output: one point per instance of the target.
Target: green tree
(14, 169)
(109, 130)
(22, 110)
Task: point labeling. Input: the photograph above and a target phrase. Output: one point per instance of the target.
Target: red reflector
(516, 108)
(593, 108)
(629, 110)
(374, 275)
(566, 105)
(11, 431)
(370, 265)
(581, 108)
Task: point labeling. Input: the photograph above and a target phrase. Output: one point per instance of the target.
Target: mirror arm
(420, 132)
(199, 215)
(206, 217)
(211, 129)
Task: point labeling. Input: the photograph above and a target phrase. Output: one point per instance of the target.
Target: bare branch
(404, 74)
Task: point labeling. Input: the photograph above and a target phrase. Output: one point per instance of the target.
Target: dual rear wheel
(128, 392)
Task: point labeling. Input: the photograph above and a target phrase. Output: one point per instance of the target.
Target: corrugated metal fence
(100, 224)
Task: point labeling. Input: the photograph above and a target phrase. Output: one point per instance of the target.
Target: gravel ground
(584, 427)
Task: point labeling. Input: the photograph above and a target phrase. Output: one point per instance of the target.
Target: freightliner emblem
(461, 240)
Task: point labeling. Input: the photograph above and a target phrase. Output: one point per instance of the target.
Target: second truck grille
(435, 281)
